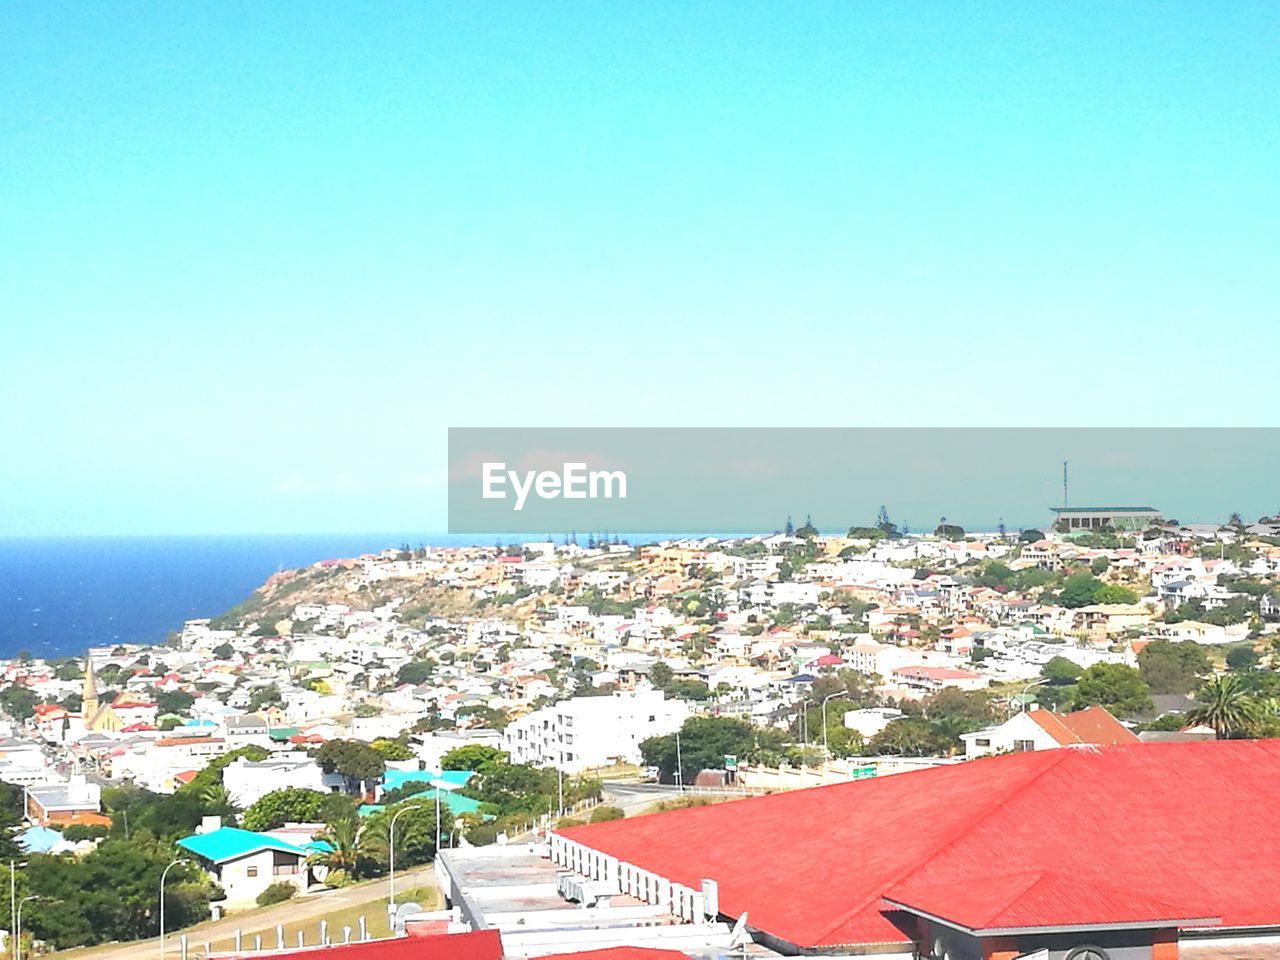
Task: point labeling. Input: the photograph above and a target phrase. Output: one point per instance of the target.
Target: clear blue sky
(257, 257)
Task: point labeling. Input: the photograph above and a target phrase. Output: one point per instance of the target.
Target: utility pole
(679, 765)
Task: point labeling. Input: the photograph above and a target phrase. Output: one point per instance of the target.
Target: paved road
(633, 797)
(292, 911)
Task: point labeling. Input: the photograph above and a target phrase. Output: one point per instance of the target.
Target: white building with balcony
(584, 732)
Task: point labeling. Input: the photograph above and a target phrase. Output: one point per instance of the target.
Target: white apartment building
(584, 732)
(248, 782)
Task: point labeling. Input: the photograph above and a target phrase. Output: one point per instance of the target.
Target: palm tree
(1226, 706)
(217, 802)
(348, 846)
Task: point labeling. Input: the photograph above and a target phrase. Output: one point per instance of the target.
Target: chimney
(710, 899)
(209, 824)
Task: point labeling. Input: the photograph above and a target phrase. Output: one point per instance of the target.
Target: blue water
(59, 596)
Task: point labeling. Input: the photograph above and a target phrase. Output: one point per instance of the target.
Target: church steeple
(89, 697)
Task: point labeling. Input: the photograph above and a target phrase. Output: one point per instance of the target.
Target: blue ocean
(60, 595)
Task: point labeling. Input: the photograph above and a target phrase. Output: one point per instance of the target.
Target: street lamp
(1022, 698)
(164, 873)
(13, 894)
(839, 693)
(391, 899)
(17, 931)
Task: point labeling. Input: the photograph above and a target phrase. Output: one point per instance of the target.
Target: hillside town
(533, 691)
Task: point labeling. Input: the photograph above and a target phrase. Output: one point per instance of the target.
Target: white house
(245, 863)
(248, 781)
(871, 720)
(1036, 729)
(584, 732)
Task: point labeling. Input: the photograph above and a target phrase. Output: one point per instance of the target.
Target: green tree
(660, 675)
(295, 805)
(264, 697)
(1118, 688)
(18, 701)
(12, 812)
(1168, 667)
(1060, 670)
(110, 894)
(1242, 658)
(174, 701)
(68, 669)
(909, 737)
(358, 763)
(1079, 590)
(223, 651)
(416, 672)
(351, 851)
(212, 772)
(705, 742)
(1225, 705)
(1114, 593)
(392, 749)
(473, 756)
(688, 690)
(415, 831)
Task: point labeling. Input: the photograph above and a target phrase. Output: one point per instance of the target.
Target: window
(251, 872)
(1023, 746)
(983, 742)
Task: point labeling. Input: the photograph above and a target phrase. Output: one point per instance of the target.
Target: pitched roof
(1020, 901)
(1093, 725)
(1206, 834)
(228, 843)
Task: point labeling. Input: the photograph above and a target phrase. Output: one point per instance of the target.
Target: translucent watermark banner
(747, 480)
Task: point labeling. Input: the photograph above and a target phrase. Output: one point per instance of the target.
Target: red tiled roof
(1021, 900)
(1092, 725)
(1135, 817)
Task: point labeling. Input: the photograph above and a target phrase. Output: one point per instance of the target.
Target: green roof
(230, 843)
(1104, 509)
(394, 779)
(456, 803)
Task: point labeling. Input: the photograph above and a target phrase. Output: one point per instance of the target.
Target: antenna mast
(1064, 483)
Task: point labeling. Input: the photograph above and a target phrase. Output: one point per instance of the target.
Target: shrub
(76, 832)
(605, 812)
(276, 893)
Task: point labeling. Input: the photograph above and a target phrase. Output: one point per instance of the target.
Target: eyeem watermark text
(573, 482)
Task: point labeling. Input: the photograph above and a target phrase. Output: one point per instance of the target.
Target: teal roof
(394, 779)
(455, 802)
(229, 843)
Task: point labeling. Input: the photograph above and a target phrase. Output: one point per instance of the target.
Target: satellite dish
(403, 912)
(739, 936)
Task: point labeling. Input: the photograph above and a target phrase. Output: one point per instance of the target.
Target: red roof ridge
(1009, 900)
(1040, 719)
(1053, 759)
